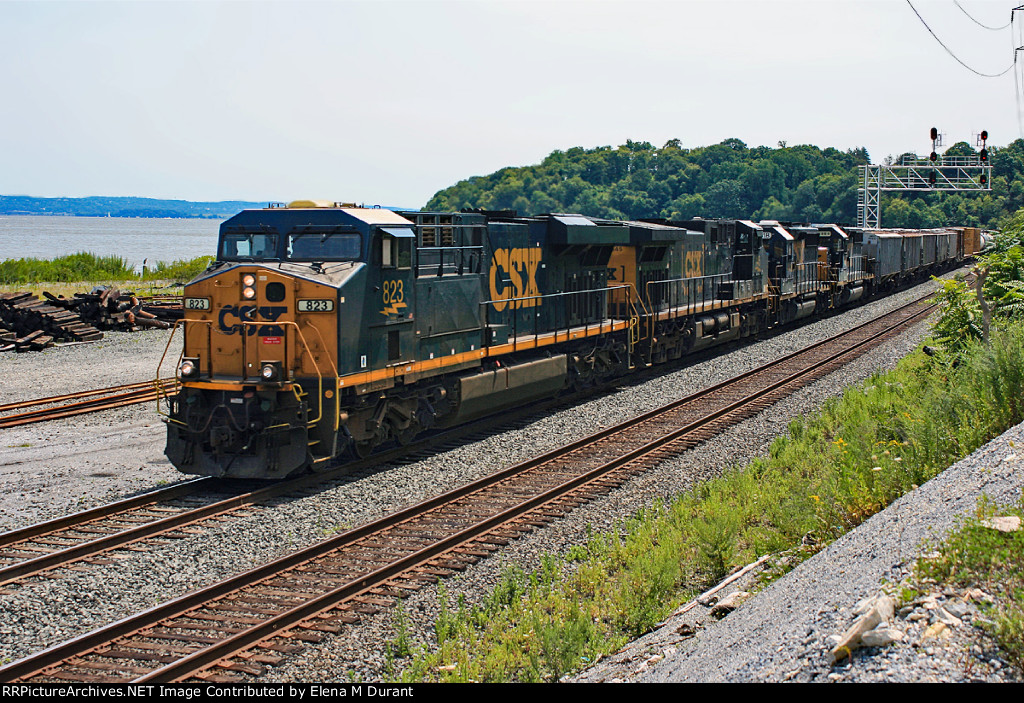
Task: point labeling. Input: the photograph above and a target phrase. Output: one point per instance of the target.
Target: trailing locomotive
(323, 329)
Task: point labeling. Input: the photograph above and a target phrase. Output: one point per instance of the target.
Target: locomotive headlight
(189, 368)
(248, 286)
(270, 371)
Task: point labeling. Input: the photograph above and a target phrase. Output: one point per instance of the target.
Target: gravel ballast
(95, 458)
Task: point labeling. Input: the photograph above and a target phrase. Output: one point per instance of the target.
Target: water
(132, 238)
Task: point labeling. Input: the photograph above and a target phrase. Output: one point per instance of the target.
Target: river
(132, 238)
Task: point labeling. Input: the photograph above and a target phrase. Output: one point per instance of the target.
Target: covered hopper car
(323, 330)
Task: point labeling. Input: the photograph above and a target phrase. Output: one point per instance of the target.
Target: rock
(729, 603)
(882, 610)
(1009, 523)
(978, 595)
(881, 636)
(936, 631)
(686, 630)
(957, 608)
(946, 618)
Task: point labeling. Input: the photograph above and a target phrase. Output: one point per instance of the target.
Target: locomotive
(324, 329)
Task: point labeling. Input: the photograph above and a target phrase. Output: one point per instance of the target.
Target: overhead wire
(994, 29)
(957, 58)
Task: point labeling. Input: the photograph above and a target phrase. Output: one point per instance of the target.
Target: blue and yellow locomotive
(324, 329)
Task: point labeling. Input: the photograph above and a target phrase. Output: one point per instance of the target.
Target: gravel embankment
(66, 463)
(786, 632)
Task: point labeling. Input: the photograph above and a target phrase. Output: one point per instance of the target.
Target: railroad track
(242, 625)
(14, 414)
(179, 511)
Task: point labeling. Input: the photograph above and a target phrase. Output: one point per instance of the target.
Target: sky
(388, 101)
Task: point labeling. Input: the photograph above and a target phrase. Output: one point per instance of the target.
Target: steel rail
(132, 396)
(93, 547)
(202, 659)
(72, 396)
(36, 664)
(86, 516)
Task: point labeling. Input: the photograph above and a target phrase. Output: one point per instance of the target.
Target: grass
(59, 275)
(827, 475)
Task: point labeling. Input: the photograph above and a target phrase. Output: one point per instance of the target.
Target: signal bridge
(913, 173)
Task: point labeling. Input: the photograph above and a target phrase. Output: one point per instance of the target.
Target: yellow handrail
(305, 346)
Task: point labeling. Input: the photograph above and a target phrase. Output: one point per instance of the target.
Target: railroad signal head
(984, 179)
(984, 135)
(983, 154)
(935, 133)
(932, 178)
(934, 157)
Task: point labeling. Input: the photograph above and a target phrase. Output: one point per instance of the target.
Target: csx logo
(693, 264)
(250, 313)
(514, 275)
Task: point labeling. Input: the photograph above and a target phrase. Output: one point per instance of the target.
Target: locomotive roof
(778, 229)
(318, 216)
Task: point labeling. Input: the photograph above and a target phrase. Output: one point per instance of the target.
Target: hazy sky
(387, 102)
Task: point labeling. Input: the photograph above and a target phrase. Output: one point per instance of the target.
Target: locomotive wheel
(405, 437)
(363, 449)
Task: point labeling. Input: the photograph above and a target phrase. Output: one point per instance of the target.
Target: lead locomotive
(323, 329)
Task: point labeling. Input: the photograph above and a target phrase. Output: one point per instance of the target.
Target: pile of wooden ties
(29, 324)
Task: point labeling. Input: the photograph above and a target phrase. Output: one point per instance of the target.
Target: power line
(994, 29)
(950, 52)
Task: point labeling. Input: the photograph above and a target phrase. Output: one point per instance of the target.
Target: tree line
(729, 180)
(100, 206)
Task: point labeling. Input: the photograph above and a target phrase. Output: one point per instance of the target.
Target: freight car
(323, 329)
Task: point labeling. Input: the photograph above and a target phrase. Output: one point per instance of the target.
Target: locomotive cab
(271, 326)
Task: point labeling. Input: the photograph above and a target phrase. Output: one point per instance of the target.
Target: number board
(197, 303)
(322, 305)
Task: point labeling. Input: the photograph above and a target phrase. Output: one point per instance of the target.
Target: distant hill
(121, 207)
(794, 183)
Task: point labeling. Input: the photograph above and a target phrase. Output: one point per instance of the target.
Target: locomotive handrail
(691, 301)
(509, 305)
(803, 283)
(337, 377)
(857, 271)
(177, 379)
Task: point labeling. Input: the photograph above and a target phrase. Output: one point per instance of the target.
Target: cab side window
(395, 252)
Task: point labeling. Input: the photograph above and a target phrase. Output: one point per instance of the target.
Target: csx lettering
(250, 313)
(514, 275)
(693, 264)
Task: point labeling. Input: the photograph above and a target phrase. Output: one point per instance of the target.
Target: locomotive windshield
(324, 246)
(248, 246)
